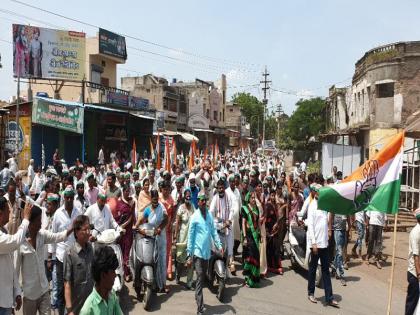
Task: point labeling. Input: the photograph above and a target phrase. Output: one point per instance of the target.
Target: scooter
(110, 238)
(217, 271)
(143, 262)
(299, 252)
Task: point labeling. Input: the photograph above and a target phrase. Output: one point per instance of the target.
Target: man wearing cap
(91, 191)
(317, 238)
(178, 192)
(201, 233)
(232, 190)
(62, 220)
(81, 200)
(413, 273)
(194, 189)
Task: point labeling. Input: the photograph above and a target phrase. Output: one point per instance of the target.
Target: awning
(142, 116)
(232, 130)
(188, 137)
(109, 109)
(165, 133)
(203, 130)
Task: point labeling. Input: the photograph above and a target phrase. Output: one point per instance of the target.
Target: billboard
(47, 53)
(60, 115)
(112, 44)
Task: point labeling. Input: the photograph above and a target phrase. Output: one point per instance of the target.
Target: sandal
(312, 299)
(334, 303)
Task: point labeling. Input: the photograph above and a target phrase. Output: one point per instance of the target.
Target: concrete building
(385, 91)
(170, 101)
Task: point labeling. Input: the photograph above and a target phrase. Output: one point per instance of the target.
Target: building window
(231, 110)
(204, 109)
(220, 116)
(165, 103)
(105, 81)
(385, 90)
(148, 90)
(182, 107)
(223, 114)
(208, 114)
(215, 115)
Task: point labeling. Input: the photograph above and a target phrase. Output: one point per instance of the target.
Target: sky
(307, 45)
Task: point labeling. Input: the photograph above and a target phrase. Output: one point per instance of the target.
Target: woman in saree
(261, 207)
(143, 201)
(155, 214)
(168, 202)
(182, 223)
(251, 240)
(125, 217)
(272, 225)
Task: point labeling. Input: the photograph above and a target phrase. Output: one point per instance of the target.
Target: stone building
(385, 91)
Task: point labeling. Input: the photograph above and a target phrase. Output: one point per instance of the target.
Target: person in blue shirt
(201, 233)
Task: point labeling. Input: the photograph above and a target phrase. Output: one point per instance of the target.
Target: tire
(147, 297)
(220, 289)
(318, 277)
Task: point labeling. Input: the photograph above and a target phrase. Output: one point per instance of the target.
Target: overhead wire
(214, 59)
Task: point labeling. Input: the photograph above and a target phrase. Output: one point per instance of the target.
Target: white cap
(192, 176)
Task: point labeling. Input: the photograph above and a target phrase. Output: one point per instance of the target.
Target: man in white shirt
(100, 216)
(10, 293)
(31, 172)
(318, 242)
(235, 220)
(377, 221)
(30, 263)
(37, 184)
(81, 200)
(142, 170)
(63, 218)
(222, 208)
(101, 156)
(413, 273)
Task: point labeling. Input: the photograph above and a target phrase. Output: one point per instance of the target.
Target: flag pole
(392, 265)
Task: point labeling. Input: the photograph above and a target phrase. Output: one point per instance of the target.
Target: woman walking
(143, 201)
(125, 217)
(263, 246)
(251, 241)
(183, 215)
(169, 204)
(272, 226)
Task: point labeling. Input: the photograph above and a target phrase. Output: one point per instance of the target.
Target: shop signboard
(112, 44)
(48, 53)
(116, 98)
(14, 130)
(60, 115)
(138, 103)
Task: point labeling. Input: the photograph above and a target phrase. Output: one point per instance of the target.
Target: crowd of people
(46, 218)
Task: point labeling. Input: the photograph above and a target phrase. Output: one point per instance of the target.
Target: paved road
(364, 294)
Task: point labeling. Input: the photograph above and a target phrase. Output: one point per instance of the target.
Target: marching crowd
(48, 262)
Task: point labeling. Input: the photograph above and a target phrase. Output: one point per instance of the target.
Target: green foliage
(307, 121)
(252, 109)
(314, 167)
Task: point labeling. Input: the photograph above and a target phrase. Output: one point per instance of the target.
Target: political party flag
(174, 153)
(373, 186)
(192, 156)
(205, 154)
(134, 154)
(158, 164)
(167, 156)
(152, 150)
(215, 153)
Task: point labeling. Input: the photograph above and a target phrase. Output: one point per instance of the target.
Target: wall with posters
(47, 53)
(24, 134)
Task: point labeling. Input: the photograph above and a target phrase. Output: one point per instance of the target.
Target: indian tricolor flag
(373, 186)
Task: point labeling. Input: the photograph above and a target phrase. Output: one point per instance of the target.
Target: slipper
(334, 303)
(312, 299)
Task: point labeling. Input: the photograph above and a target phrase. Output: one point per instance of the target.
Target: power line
(141, 39)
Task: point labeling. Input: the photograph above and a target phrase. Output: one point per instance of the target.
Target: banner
(138, 103)
(112, 44)
(47, 53)
(117, 98)
(59, 115)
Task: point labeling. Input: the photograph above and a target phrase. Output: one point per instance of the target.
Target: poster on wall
(112, 44)
(23, 131)
(48, 53)
(61, 115)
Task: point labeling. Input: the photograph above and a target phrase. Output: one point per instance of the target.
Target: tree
(252, 109)
(306, 122)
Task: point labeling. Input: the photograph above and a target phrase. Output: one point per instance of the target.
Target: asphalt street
(364, 294)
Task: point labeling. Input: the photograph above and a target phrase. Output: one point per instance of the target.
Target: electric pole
(265, 101)
(279, 112)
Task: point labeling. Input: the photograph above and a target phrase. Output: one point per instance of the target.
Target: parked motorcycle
(143, 263)
(299, 252)
(217, 270)
(110, 238)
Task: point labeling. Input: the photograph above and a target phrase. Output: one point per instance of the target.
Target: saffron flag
(174, 153)
(158, 164)
(152, 150)
(134, 154)
(373, 186)
(167, 153)
(192, 156)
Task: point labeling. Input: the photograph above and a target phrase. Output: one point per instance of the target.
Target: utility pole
(265, 101)
(279, 112)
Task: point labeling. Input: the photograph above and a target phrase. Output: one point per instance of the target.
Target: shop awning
(188, 137)
(203, 130)
(168, 133)
(98, 107)
(232, 130)
(142, 116)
